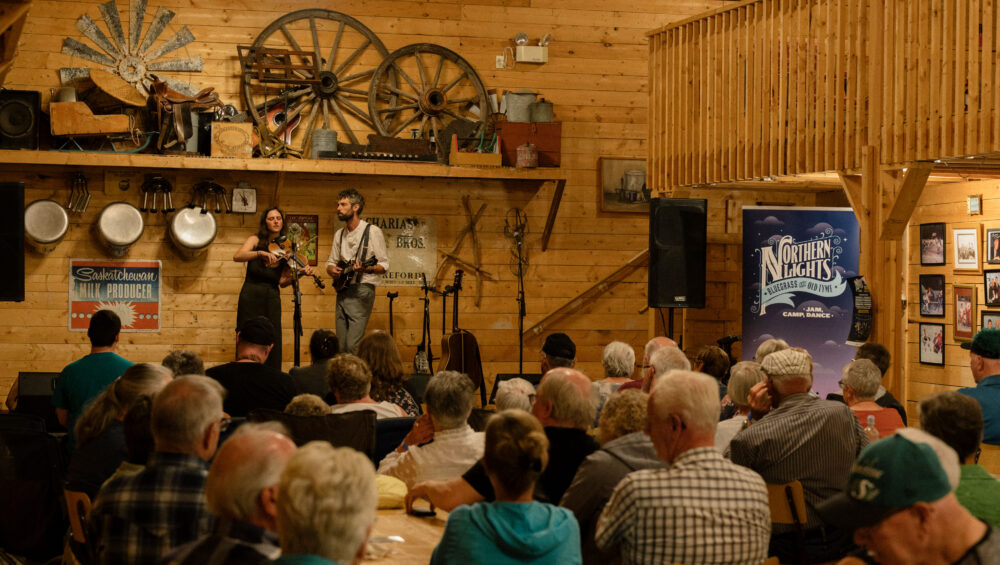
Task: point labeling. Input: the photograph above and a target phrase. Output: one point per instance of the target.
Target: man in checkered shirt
(138, 518)
(702, 508)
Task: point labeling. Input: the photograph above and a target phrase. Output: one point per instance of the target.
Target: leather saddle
(173, 112)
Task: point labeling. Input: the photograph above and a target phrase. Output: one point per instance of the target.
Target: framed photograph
(993, 247)
(989, 320)
(622, 182)
(974, 204)
(932, 344)
(932, 244)
(932, 295)
(991, 282)
(965, 311)
(303, 230)
(967, 248)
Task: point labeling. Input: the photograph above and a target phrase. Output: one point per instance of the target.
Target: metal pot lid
(45, 221)
(120, 223)
(192, 229)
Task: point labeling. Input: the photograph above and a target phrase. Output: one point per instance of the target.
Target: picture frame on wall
(964, 314)
(932, 244)
(989, 320)
(303, 231)
(966, 244)
(932, 296)
(931, 344)
(992, 250)
(622, 184)
(991, 286)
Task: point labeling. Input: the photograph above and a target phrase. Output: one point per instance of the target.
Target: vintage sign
(412, 245)
(130, 288)
(303, 231)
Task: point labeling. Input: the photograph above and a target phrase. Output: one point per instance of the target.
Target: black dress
(260, 297)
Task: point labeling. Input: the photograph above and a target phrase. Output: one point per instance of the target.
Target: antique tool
(452, 255)
(268, 65)
(156, 185)
(79, 196)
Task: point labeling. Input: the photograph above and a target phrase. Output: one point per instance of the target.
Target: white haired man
(565, 407)
(860, 383)
(242, 490)
(451, 445)
(327, 505)
(701, 508)
(652, 346)
(139, 518)
(796, 436)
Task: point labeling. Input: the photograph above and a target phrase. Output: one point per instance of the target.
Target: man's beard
(345, 217)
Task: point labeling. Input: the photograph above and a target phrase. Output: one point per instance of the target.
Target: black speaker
(20, 113)
(677, 237)
(34, 396)
(12, 240)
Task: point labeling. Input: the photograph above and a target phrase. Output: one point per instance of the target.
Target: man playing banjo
(357, 261)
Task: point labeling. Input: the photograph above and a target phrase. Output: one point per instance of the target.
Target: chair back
(416, 385)
(990, 458)
(787, 502)
(479, 417)
(351, 429)
(389, 433)
(78, 506)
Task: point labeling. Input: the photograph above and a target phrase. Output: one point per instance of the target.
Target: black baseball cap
(259, 331)
(559, 345)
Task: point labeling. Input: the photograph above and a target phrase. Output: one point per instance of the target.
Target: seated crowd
(676, 470)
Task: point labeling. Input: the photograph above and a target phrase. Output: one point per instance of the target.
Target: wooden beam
(852, 187)
(550, 220)
(904, 201)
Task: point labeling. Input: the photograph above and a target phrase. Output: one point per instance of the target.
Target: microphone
(280, 239)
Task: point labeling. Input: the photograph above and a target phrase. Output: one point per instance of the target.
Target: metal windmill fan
(135, 59)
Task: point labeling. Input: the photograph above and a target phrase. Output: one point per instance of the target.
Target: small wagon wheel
(348, 55)
(426, 87)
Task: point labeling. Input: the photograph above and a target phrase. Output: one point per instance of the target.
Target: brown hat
(787, 362)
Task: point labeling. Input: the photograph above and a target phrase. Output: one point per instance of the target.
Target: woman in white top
(619, 364)
(742, 376)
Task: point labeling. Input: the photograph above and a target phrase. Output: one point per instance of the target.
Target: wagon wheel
(348, 51)
(435, 88)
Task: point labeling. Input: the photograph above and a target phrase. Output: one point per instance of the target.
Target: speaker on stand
(20, 113)
(677, 249)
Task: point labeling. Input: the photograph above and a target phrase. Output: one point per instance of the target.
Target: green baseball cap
(986, 343)
(891, 474)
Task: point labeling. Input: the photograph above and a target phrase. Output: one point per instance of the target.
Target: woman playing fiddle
(266, 272)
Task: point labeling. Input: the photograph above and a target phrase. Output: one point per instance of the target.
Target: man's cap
(559, 345)
(986, 343)
(891, 474)
(787, 362)
(259, 331)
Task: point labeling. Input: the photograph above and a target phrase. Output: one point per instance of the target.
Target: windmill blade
(76, 49)
(179, 64)
(180, 39)
(137, 12)
(88, 28)
(185, 88)
(156, 27)
(69, 76)
(110, 12)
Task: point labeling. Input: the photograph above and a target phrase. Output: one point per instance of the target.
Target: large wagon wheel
(349, 52)
(435, 87)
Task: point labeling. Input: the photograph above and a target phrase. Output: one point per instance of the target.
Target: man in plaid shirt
(702, 508)
(138, 518)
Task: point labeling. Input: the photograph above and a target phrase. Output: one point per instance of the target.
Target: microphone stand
(521, 308)
(297, 301)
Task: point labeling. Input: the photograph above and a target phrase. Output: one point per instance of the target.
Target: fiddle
(284, 250)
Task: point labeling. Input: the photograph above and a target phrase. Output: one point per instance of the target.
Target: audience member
(652, 346)
(100, 432)
(714, 362)
(311, 379)
(85, 378)
(514, 528)
(958, 421)
(326, 506)
(619, 364)
(242, 491)
(661, 362)
(558, 351)
(139, 442)
(860, 382)
(742, 377)
(378, 349)
(516, 393)
(351, 382)
(900, 506)
(441, 445)
(767, 347)
(184, 362)
(984, 360)
(565, 407)
(702, 508)
(249, 383)
(307, 405)
(879, 355)
(802, 438)
(139, 518)
(625, 447)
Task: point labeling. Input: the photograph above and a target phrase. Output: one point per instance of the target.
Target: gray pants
(354, 307)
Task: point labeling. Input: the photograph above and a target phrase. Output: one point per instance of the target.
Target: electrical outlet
(500, 61)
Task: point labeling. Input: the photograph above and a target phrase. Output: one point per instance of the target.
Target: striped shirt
(806, 439)
(702, 509)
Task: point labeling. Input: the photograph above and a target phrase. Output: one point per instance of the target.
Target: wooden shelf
(298, 166)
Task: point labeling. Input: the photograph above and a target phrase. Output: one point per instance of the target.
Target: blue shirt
(84, 379)
(303, 560)
(987, 393)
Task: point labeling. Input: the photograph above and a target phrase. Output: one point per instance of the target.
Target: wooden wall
(947, 204)
(597, 79)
